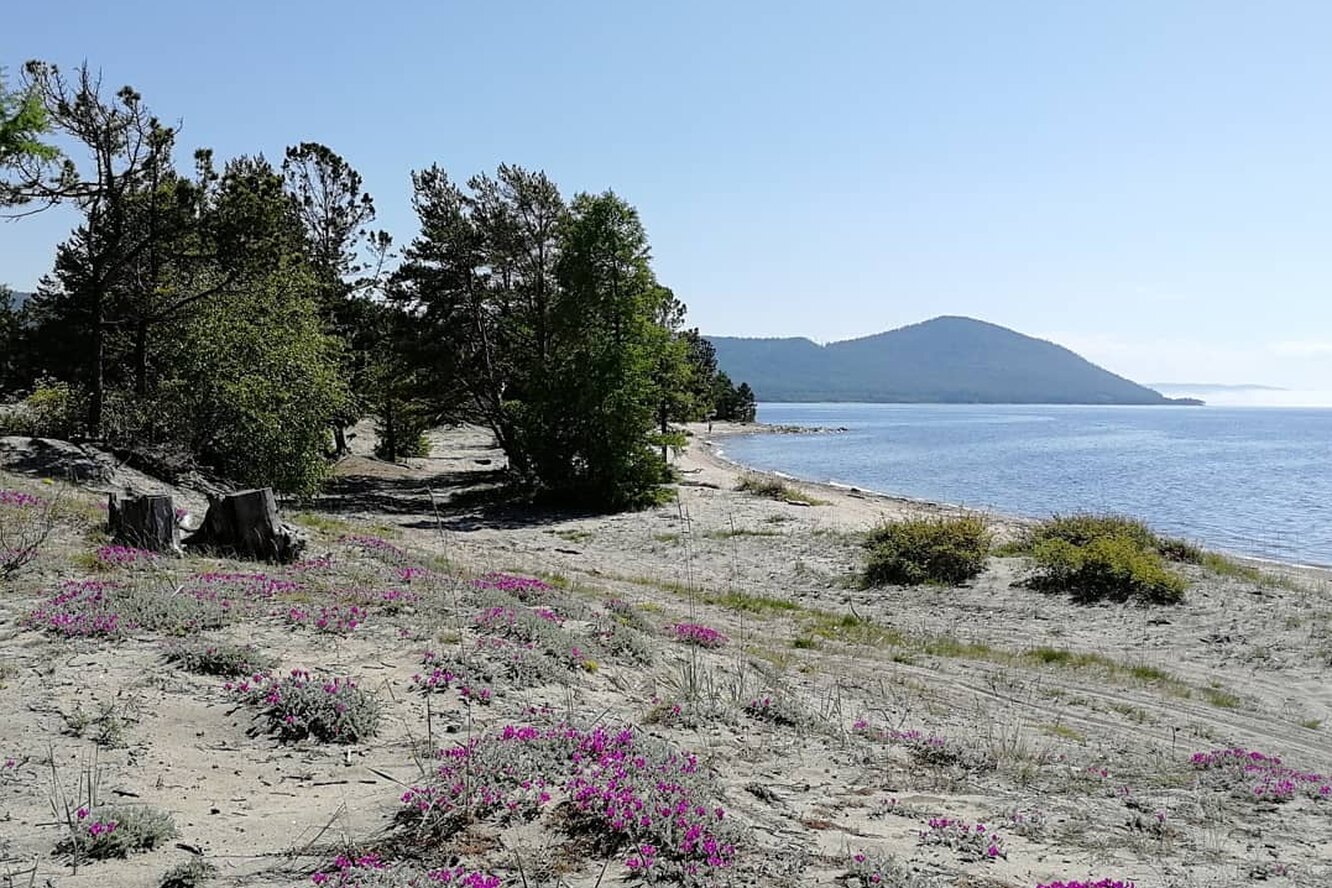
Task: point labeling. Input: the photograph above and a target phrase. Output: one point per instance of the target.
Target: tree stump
(246, 525)
(144, 522)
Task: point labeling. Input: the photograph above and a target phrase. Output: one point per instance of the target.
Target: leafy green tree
(546, 322)
(673, 375)
(702, 360)
(257, 383)
(479, 280)
(745, 406)
(10, 341)
(23, 121)
(588, 429)
(124, 147)
(348, 259)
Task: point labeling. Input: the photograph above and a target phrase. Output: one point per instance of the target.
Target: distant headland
(946, 360)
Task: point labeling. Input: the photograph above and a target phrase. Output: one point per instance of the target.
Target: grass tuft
(776, 489)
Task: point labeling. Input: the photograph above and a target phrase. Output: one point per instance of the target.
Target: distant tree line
(245, 314)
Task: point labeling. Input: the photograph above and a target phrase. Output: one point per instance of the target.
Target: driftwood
(246, 525)
(144, 522)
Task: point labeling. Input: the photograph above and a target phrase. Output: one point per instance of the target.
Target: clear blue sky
(1146, 182)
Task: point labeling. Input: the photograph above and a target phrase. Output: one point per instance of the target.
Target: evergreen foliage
(23, 122)
(243, 316)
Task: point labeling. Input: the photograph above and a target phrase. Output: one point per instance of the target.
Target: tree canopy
(243, 314)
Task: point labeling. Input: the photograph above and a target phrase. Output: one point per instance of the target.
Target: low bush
(1116, 568)
(927, 550)
(112, 609)
(775, 488)
(1106, 557)
(190, 874)
(1081, 528)
(297, 706)
(699, 635)
(220, 658)
(27, 521)
(639, 798)
(99, 833)
(53, 410)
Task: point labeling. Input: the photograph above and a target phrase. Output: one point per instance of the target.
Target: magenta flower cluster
(462, 877)
(1262, 776)
(82, 608)
(345, 871)
(337, 619)
(374, 545)
(351, 872)
(496, 619)
(18, 499)
(441, 677)
(973, 840)
(123, 556)
(300, 705)
(522, 588)
(698, 634)
(97, 827)
(648, 796)
(912, 738)
(242, 584)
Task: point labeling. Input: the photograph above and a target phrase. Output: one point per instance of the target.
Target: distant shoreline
(1007, 524)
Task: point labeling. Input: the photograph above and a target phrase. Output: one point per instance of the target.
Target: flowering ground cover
(629, 725)
(698, 634)
(647, 799)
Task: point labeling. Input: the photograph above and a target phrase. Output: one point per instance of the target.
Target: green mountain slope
(944, 360)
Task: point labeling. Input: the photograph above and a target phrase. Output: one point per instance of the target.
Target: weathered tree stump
(246, 525)
(144, 522)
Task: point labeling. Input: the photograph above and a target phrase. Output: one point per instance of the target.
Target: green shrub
(99, 833)
(1181, 550)
(219, 658)
(1082, 528)
(1118, 568)
(189, 874)
(53, 410)
(927, 550)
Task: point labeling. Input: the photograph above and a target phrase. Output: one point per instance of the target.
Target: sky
(1147, 183)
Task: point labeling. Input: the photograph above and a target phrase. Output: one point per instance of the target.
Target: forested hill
(944, 360)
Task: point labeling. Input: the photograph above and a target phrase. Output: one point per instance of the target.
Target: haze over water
(1253, 481)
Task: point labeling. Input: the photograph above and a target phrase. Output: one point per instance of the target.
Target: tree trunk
(98, 367)
(339, 439)
(390, 443)
(141, 358)
(663, 414)
(144, 522)
(246, 525)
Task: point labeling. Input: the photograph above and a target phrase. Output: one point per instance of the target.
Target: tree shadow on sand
(462, 501)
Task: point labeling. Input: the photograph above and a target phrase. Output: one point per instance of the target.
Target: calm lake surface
(1253, 481)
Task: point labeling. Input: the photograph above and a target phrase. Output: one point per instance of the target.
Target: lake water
(1253, 481)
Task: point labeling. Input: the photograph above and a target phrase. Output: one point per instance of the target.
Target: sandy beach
(1066, 730)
